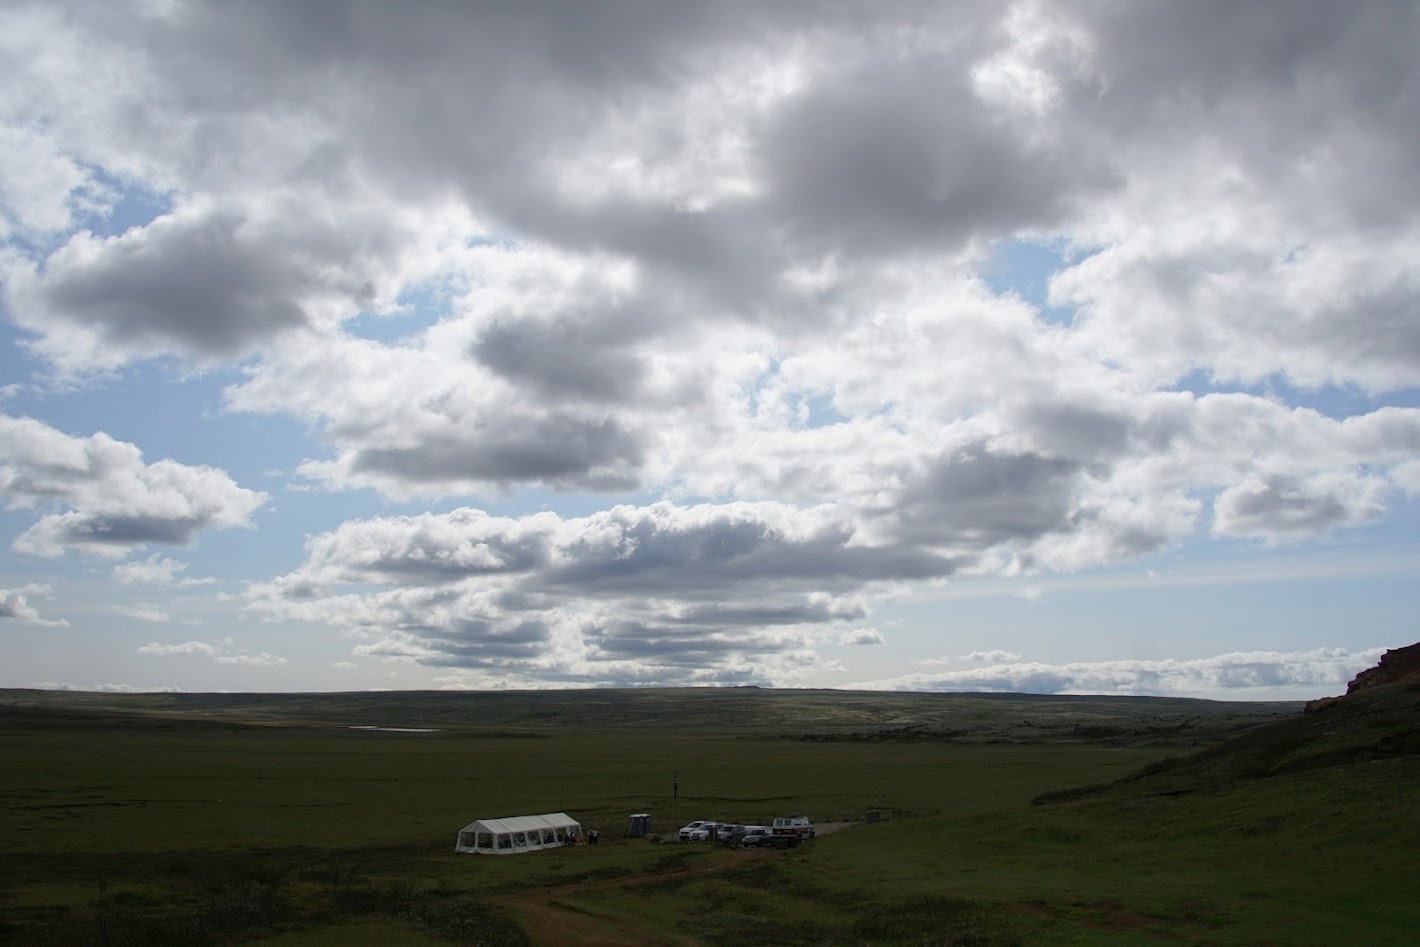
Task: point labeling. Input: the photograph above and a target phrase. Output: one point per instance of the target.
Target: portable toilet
(640, 825)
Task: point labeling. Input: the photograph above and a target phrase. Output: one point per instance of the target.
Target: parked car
(706, 832)
(725, 832)
(757, 835)
(692, 827)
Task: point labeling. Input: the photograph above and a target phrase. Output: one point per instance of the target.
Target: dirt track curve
(550, 922)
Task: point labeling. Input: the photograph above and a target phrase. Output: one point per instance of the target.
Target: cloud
(1280, 505)
(15, 605)
(223, 652)
(144, 613)
(634, 594)
(990, 657)
(186, 647)
(260, 659)
(155, 570)
(862, 636)
(869, 159)
(723, 265)
(114, 502)
(994, 656)
(1235, 675)
(109, 688)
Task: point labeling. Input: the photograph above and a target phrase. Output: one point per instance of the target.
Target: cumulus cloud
(990, 657)
(861, 636)
(260, 659)
(1235, 675)
(156, 570)
(1281, 505)
(109, 688)
(15, 605)
(144, 613)
(720, 271)
(222, 652)
(994, 656)
(186, 647)
(636, 594)
(112, 502)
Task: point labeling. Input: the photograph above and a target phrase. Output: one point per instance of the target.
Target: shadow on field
(251, 897)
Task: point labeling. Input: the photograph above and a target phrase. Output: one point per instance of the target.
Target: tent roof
(523, 823)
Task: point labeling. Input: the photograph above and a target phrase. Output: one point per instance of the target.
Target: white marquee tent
(518, 834)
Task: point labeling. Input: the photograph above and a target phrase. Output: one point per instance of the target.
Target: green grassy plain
(143, 828)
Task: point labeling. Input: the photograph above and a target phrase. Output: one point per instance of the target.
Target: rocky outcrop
(1397, 666)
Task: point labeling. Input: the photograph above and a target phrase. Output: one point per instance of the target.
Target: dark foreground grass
(172, 834)
(94, 791)
(1320, 858)
(212, 835)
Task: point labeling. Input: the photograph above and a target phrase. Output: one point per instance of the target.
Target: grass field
(147, 829)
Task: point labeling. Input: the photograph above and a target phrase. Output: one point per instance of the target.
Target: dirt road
(550, 920)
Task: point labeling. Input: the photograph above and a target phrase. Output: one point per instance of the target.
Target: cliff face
(1398, 666)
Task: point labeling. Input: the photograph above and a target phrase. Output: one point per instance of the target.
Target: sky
(1049, 347)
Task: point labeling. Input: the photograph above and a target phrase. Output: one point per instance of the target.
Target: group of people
(593, 836)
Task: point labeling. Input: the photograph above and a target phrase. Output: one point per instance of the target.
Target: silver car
(756, 835)
(727, 832)
(687, 831)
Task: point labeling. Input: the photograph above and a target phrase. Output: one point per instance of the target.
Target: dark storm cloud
(118, 530)
(764, 615)
(1379, 326)
(1279, 505)
(561, 360)
(738, 555)
(663, 234)
(652, 552)
(900, 155)
(195, 283)
(1078, 430)
(678, 646)
(1277, 77)
(206, 285)
(476, 643)
(977, 499)
(557, 450)
(679, 587)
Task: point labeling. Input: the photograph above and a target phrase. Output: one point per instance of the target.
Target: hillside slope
(749, 711)
(1377, 719)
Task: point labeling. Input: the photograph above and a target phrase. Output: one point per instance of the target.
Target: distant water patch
(400, 729)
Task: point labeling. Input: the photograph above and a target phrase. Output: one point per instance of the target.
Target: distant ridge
(767, 712)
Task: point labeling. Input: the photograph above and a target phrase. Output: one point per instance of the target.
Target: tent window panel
(466, 839)
(505, 841)
(485, 840)
(520, 840)
(548, 837)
